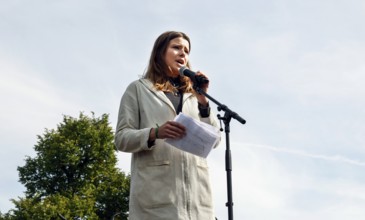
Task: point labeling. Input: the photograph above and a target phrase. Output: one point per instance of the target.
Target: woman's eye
(177, 47)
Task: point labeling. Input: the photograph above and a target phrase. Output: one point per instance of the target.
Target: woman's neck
(175, 81)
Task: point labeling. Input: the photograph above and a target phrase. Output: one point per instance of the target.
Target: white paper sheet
(200, 137)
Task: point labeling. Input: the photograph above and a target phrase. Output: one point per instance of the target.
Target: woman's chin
(173, 72)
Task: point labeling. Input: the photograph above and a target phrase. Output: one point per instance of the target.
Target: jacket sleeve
(129, 137)
(212, 120)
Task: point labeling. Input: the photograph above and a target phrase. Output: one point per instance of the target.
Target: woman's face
(176, 56)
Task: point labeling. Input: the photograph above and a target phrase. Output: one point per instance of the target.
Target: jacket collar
(160, 94)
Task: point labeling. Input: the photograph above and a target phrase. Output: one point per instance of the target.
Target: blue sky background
(294, 70)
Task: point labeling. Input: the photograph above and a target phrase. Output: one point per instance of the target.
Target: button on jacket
(166, 183)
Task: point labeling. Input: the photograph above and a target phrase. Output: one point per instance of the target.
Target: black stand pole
(228, 115)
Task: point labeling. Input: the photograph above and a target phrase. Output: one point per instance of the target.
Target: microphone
(184, 71)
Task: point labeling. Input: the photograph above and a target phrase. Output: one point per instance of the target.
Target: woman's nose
(182, 53)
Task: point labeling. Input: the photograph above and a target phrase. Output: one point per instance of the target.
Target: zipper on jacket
(187, 185)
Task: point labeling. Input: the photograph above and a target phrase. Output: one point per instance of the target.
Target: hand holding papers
(200, 137)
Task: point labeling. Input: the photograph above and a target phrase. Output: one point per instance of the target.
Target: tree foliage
(73, 175)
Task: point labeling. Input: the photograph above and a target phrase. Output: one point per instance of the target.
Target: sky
(294, 70)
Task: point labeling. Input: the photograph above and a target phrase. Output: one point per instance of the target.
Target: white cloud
(333, 158)
(27, 98)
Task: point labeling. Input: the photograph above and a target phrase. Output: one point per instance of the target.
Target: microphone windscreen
(181, 70)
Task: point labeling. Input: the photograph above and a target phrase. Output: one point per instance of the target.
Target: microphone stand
(228, 115)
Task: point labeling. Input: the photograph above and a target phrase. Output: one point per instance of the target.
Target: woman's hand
(170, 129)
(201, 98)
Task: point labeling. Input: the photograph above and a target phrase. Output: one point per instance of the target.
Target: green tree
(73, 175)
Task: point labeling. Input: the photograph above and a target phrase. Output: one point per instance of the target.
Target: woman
(166, 183)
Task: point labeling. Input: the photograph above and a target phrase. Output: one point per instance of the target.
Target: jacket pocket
(204, 189)
(155, 185)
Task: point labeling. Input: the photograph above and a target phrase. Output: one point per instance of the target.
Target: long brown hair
(156, 70)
